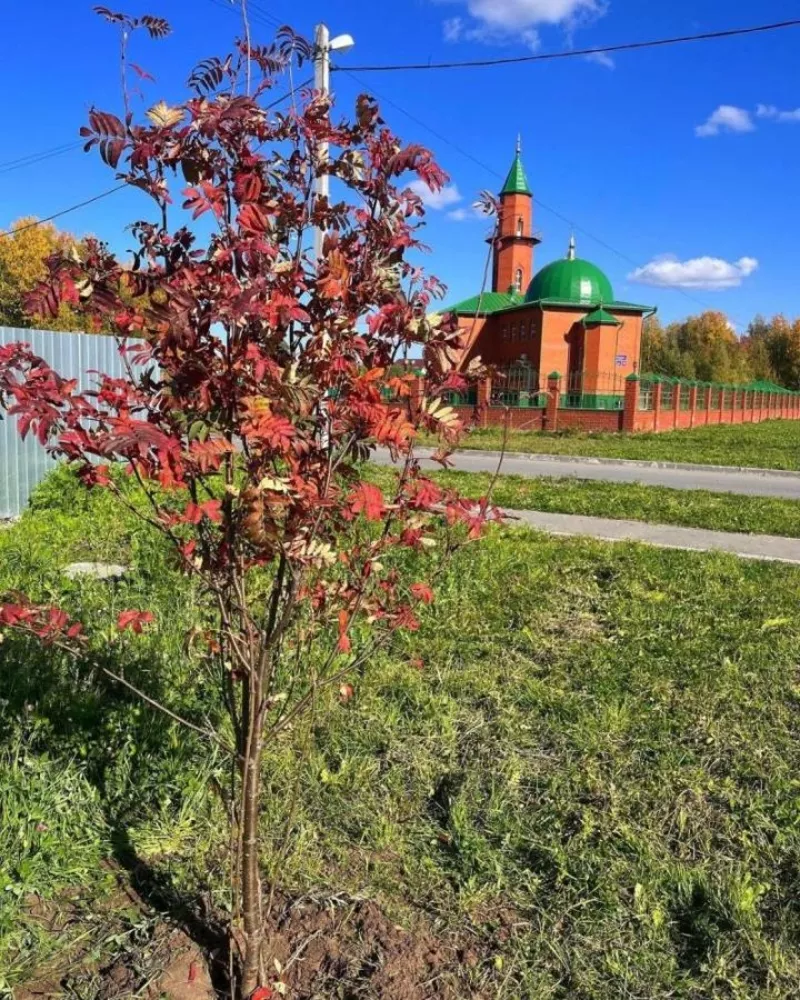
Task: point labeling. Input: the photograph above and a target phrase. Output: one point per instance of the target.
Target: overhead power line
(538, 201)
(577, 53)
(257, 13)
(32, 158)
(104, 194)
(57, 215)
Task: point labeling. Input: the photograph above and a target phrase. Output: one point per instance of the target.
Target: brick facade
(735, 407)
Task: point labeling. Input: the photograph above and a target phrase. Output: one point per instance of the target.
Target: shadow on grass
(158, 891)
(53, 705)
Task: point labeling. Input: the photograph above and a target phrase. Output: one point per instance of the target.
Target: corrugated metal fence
(24, 463)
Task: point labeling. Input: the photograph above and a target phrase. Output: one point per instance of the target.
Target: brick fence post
(416, 392)
(692, 405)
(631, 404)
(707, 402)
(657, 387)
(484, 401)
(553, 399)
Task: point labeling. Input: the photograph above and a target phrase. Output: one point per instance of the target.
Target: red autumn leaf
(194, 513)
(141, 73)
(262, 993)
(253, 219)
(367, 499)
(134, 620)
(344, 645)
(422, 592)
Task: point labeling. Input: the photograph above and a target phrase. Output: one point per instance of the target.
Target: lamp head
(342, 43)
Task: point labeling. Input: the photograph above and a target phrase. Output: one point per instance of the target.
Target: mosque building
(564, 318)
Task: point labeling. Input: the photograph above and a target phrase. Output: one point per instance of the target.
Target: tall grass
(585, 763)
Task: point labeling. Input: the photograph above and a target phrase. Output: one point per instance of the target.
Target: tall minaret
(513, 249)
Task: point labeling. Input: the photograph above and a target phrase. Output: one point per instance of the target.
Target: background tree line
(706, 347)
(703, 347)
(24, 247)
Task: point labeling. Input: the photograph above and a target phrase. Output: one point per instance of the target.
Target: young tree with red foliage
(256, 389)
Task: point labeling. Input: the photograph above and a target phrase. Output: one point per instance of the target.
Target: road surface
(767, 547)
(751, 482)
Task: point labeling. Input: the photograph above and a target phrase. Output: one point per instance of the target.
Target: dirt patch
(333, 948)
(352, 950)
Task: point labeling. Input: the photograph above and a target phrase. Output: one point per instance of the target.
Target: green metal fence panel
(518, 385)
(468, 398)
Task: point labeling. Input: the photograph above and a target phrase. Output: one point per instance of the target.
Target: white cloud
(726, 118)
(516, 14)
(453, 29)
(770, 111)
(466, 214)
(602, 59)
(436, 200)
(711, 273)
(501, 22)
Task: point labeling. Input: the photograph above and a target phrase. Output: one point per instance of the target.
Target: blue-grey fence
(24, 463)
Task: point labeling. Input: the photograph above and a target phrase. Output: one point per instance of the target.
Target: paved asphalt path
(721, 480)
(753, 482)
(666, 536)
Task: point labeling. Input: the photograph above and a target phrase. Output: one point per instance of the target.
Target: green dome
(571, 280)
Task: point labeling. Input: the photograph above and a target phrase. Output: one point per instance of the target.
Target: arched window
(520, 226)
(518, 280)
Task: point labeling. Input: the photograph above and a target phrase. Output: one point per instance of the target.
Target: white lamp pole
(323, 46)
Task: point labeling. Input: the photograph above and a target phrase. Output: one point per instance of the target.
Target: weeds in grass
(587, 759)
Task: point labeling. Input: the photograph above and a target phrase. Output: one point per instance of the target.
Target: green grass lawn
(594, 773)
(771, 445)
(655, 504)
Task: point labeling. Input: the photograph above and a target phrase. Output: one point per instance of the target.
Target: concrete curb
(627, 462)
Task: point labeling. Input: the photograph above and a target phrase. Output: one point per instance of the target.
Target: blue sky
(614, 149)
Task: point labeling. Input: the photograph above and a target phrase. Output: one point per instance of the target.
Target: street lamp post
(323, 46)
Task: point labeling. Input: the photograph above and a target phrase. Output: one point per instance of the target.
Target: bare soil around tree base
(337, 948)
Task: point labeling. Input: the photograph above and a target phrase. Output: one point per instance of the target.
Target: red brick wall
(495, 344)
(513, 254)
(612, 421)
(590, 420)
(751, 412)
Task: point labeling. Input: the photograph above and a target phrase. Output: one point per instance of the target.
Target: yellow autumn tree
(23, 249)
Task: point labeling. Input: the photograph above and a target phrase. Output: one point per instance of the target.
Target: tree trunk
(250, 879)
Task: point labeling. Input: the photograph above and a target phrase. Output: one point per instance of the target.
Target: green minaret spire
(517, 182)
